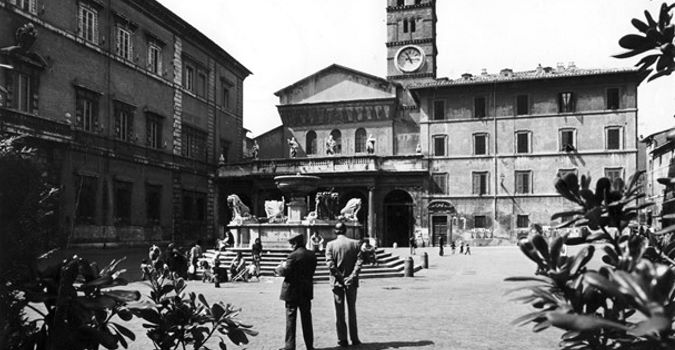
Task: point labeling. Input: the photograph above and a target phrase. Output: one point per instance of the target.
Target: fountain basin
(297, 185)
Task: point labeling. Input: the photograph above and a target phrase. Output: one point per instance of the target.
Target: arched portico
(398, 218)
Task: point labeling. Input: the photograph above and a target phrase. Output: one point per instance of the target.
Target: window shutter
(131, 46)
(34, 92)
(519, 183)
(10, 89)
(95, 27)
(118, 41)
(476, 184)
(80, 21)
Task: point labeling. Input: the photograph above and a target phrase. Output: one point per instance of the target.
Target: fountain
(275, 233)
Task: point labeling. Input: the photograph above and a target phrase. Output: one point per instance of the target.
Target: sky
(283, 41)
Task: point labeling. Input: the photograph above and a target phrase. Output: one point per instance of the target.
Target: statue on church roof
(370, 144)
(255, 149)
(330, 145)
(293, 147)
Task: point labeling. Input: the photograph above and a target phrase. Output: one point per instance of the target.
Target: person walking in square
(413, 244)
(467, 251)
(297, 291)
(344, 260)
(453, 246)
(461, 248)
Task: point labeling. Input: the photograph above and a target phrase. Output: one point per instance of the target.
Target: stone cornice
(409, 7)
(341, 112)
(410, 42)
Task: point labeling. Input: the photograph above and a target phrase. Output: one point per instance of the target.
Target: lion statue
(240, 212)
(351, 209)
(275, 211)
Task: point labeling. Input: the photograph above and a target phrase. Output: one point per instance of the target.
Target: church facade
(472, 158)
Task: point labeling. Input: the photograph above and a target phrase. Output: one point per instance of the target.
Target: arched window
(310, 142)
(337, 137)
(405, 25)
(360, 140)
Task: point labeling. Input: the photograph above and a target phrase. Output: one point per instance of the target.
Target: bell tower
(411, 40)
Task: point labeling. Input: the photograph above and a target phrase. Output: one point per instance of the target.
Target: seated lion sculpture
(240, 212)
(275, 211)
(351, 209)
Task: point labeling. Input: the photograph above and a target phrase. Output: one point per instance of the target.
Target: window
(405, 25)
(123, 202)
(614, 173)
(613, 137)
(154, 58)
(480, 144)
(224, 149)
(124, 43)
(567, 140)
(201, 83)
(439, 145)
(194, 143)
(189, 77)
(337, 137)
(153, 130)
(439, 110)
(124, 121)
(412, 25)
(523, 142)
(85, 188)
(522, 221)
(27, 5)
(523, 182)
(310, 142)
(480, 221)
(20, 91)
(88, 23)
(400, 2)
(441, 182)
(225, 92)
(194, 206)
(153, 203)
(479, 108)
(522, 105)
(613, 98)
(86, 110)
(360, 140)
(565, 102)
(480, 183)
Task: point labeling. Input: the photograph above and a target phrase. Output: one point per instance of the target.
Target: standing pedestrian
(467, 251)
(344, 259)
(256, 254)
(441, 243)
(195, 254)
(219, 272)
(453, 246)
(461, 248)
(413, 244)
(297, 291)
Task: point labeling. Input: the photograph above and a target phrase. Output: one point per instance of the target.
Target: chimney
(483, 71)
(561, 66)
(571, 65)
(467, 76)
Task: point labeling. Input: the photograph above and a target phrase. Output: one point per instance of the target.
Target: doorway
(398, 218)
(439, 228)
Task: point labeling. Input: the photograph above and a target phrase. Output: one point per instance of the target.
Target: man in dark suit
(298, 290)
(343, 256)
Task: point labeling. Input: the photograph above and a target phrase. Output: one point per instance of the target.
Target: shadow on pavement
(384, 345)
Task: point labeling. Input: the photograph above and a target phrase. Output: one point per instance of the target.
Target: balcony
(411, 164)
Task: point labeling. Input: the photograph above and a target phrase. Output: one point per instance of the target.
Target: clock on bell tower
(411, 40)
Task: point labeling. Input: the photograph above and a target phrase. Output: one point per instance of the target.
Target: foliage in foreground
(175, 319)
(627, 303)
(657, 38)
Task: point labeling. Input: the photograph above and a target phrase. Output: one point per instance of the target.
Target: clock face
(409, 59)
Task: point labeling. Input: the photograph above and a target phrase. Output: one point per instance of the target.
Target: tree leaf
(651, 327)
(527, 318)
(634, 41)
(123, 295)
(125, 331)
(582, 323)
(639, 25)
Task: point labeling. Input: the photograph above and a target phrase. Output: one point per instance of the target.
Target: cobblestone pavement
(458, 303)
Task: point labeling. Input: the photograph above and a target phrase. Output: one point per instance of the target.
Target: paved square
(458, 303)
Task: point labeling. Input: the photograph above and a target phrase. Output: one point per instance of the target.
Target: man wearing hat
(297, 291)
(343, 256)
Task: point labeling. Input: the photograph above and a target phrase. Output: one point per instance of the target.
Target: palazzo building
(131, 109)
(472, 158)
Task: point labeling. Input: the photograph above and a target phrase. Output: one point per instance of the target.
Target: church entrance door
(398, 218)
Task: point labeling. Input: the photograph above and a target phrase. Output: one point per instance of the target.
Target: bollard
(408, 267)
(425, 260)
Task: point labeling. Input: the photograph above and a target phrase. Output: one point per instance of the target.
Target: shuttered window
(523, 182)
(480, 183)
(88, 23)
